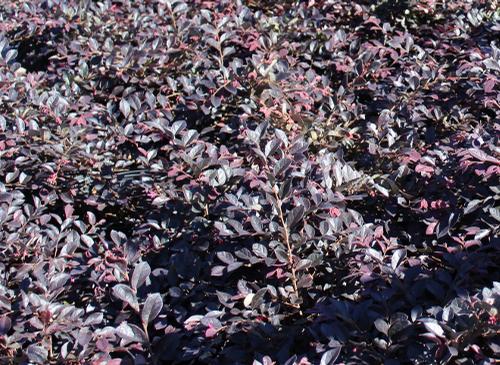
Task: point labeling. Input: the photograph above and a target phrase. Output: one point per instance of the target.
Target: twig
(286, 238)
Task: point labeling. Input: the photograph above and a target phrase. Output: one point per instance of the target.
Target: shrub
(227, 182)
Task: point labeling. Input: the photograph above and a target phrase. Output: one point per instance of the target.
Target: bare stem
(286, 238)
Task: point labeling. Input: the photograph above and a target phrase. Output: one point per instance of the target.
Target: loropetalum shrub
(228, 182)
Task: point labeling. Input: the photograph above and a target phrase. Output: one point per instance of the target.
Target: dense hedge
(228, 182)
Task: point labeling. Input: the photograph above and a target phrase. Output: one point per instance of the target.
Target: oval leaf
(126, 294)
(152, 307)
(140, 275)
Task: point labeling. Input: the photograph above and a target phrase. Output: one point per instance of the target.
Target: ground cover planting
(249, 182)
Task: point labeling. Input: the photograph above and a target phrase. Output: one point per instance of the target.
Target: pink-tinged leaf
(476, 349)
(414, 262)
(114, 362)
(255, 183)
(472, 243)
(482, 156)
(424, 170)
(489, 85)
(210, 331)
(266, 111)
(430, 228)
(472, 230)
(304, 361)
(68, 210)
(373, 20)
(439, 204)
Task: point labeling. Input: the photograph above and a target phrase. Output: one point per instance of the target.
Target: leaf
(248, 300)
(228, 51)
(217, 270)
(152, 307)
(434, 327)
(125, 107)
(282, 136)
(11, 176)
(58, 281)
(87, 240)
(430, 228)
(271, 147)
(382, 190)
(181, 6)
(416, 312)
(397, 257)
(330, 356)
(83, 69)
(223, 231)
(285, 189)
(24, 178)
(69, 210)
(281, 166)
(126, 294)
(295, 216)
(189, 137)
(259, 250)
(281, 255)
(37, 354)
(226, 257)
(305, 281)
(84, 336)
(481, 155)
(10, 55)
(382, 326)
(216, 101)
(177, 127)
(375, 254)
(303, 265)
(234, 266)
(472, 206)
(140, 275)
(256, 224)
(244, 254)
(237, 226)
(258, 297)
(261, 129)
(5, 325)
(397, 326)
(94, 318)
(491, 64)
(131, 332)
(118, 237)
(489, 86)
(482, 234)
(210, 332)
(443, 231)
(495, 213)
(213, 43)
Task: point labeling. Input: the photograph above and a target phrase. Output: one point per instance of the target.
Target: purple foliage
(228, 182)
